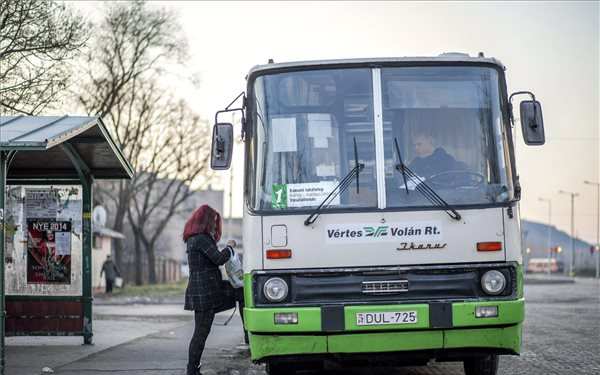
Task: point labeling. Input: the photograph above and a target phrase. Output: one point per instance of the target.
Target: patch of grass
(151, 290)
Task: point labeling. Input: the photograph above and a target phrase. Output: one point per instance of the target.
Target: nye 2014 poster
(48, 251)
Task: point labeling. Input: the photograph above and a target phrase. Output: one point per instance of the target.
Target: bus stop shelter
(47, 168)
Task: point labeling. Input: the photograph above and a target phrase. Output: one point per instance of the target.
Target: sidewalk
(113, 325)
(133, 335)
(172, 298)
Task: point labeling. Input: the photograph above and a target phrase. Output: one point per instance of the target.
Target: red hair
(200, 222)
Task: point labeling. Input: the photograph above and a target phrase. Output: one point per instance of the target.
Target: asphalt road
(561, 336)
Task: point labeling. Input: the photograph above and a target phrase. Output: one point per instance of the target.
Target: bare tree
(38, 40)
(135, 45)
(132, 43)
(176, 156)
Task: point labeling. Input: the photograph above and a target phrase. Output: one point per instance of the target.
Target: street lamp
(597, 184)
(572, 259)
(549, 249)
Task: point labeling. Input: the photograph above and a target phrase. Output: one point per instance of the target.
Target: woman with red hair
(204, 293)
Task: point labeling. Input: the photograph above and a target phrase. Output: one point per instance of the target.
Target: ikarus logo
(376, 232)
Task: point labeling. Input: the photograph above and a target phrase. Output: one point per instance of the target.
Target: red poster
(48, 252)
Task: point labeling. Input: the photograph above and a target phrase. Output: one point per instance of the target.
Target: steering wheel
(456, 179)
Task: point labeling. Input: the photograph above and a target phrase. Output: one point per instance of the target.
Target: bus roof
(453, 57)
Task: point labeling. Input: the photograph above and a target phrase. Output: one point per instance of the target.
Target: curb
(547, 280)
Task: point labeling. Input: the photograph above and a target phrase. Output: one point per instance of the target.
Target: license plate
(389, 317)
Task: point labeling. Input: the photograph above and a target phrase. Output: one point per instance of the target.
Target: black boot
(193, 370)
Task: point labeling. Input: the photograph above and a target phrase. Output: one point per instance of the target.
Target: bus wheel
(482, 365)
(279, 369)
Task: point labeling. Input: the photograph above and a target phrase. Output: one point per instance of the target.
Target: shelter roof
(63, 140)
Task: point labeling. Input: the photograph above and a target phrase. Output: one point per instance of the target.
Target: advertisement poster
(48, 251)
(41, 203)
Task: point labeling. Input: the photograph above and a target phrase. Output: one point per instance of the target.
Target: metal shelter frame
(42, 150)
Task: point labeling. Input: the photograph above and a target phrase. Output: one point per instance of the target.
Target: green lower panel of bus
(269, 345)
(459, 314)
(381, 328)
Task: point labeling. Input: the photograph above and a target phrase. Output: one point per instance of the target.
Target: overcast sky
(550, 48)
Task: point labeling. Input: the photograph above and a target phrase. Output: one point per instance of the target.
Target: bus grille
(385, 287)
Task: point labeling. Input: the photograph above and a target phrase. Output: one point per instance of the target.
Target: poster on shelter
(41, 203)
(48, 251)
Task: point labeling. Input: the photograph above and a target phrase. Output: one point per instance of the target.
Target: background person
(111, 271)
(204, 294)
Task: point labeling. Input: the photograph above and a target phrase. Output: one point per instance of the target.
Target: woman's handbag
(227, 298)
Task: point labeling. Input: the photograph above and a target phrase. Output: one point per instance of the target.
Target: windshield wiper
(422, 187)
(339, 189)
(401, 164)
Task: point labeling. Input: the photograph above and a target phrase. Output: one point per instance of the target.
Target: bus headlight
(493, 282)
(275, 289)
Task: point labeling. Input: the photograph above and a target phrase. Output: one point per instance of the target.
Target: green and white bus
(353, 251)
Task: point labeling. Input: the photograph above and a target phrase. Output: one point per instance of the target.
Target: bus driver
(430, 159)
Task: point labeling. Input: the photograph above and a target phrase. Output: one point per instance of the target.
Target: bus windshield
(442, 124)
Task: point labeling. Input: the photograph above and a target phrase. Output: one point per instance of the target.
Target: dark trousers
(203, 320)
(109, 285)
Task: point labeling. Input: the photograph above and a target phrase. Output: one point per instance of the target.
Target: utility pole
(549, 249)
(572, 258)
(596, 253)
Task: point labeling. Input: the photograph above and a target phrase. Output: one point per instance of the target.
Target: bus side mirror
(532, 124)
(222, 142)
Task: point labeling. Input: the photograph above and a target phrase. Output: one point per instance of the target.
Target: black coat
(205, 287)
(438, 162)
(110, 270)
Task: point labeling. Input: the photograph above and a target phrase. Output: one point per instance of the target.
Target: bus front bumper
(440, 327)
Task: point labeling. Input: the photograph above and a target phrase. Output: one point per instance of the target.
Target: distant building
(170, 256)
(171, 259)
(102, 245)
(172, 248)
